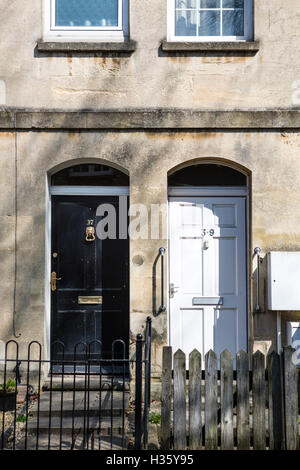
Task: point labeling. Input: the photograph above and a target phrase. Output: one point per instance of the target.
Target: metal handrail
(257, 252)
(162, 307)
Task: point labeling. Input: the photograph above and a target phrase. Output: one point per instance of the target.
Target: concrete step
(81, 403)
(71, 417)
(106, 424)
(106, 382)
(95, 443)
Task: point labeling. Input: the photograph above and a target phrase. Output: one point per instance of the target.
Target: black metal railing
(147, 382)
(86, 404)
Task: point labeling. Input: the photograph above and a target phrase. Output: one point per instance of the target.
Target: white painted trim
(211, 191)
(47, 319)
(88, 33)
(65, 191)
(90, 190)
(168, 271)
(248, 27)
(248, 267)
(244, 192)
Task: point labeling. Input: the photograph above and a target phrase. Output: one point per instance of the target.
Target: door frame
(216, 191)
(66, 191)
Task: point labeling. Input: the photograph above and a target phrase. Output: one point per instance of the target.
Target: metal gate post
(147, 357)
(138, 392)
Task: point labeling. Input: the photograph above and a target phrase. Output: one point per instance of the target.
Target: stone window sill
(59, 46)
(213, 46)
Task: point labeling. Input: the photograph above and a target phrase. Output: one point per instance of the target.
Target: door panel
(225, 268)
(191, 281)
(225, 330)
(208, 265)
(97, 268)
(190, 320)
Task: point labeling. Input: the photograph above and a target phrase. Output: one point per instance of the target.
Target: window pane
(186, 4)
(86, 12)
(186, 23)
(233, 23)
(209, 23)
(210, 4)
(233, 3)
(90, 175)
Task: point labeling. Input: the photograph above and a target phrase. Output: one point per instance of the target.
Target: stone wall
(269, 157)
(148, 145)
(150, 77)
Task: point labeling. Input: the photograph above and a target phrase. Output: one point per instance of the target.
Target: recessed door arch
(208, 269)
(89, 280)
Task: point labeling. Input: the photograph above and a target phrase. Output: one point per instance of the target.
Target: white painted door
(208, 302)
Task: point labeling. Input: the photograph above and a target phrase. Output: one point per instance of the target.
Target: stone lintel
(164, 119)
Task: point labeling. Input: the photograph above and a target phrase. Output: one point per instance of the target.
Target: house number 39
(210, 232)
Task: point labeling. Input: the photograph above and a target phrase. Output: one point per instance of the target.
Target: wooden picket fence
(228, 407)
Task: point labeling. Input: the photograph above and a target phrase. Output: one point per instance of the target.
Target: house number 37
(210, 232)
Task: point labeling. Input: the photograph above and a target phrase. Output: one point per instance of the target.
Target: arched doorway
(208, 268)
(89, 261)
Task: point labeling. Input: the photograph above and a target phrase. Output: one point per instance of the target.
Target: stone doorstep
(110, 430)
(119, 403)
(78, 413)
(100, 443)
(81, 383)
(106, 424)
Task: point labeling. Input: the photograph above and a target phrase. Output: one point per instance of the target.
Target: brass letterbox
(90, 300)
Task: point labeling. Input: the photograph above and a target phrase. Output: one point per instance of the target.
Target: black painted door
(96, 268)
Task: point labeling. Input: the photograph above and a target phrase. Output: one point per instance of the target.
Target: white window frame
(85, 33)
(248, 27)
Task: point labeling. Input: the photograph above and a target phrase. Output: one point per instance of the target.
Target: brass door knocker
(90, 234)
